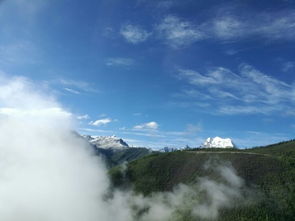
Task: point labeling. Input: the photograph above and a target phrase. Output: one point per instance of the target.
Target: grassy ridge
(270, 170)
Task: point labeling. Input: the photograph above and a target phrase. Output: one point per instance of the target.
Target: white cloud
(36, 112)
(134, 34)
(72, 90)
(20, 91)
(147, 126)
(246, 109)
(83, 117)
(36, 136)
(232, 26)
(119, 62)
(101, 122)
(277, 26)
(196, 78)
(75, 86)
(228, 28)
(95, 131)
(271, 26)
(178, 33)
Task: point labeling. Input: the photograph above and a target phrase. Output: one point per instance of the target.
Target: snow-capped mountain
(107, 142)
(218, 142)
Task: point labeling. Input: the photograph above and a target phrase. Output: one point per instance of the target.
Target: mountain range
(116, 151)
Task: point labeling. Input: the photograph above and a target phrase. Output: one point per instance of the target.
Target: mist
(49, 173)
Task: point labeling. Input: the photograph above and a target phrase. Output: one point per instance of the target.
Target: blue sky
(160, 73)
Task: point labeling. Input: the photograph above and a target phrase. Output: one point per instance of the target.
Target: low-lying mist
(49, 173)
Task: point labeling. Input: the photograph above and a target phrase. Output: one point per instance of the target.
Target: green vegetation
(117, 157)
(268, 171)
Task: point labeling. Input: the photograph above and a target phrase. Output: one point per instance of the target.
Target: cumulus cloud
(134, 34)
(101, 122)
(250, 90)
(147, 126)
(46, 172)
(20, 91)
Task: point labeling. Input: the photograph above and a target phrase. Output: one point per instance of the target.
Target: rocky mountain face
(107, 142)
(114, 150)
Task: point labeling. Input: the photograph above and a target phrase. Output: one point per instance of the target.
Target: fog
(49, 173)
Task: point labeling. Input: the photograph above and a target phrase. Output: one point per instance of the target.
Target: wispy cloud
(134, 34)
(178, 33)
(288, 66)
(147, 126)
(83, 117)
(101, 122)
(120, 62)
(87, 131)
(272, 26)
(228, 26)
(75, 86)
(72, 90)
(150, 135)
(15, 52)
(247, 109)
(245, 92)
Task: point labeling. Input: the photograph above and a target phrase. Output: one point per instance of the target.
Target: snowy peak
(218, 142)
(106, 142)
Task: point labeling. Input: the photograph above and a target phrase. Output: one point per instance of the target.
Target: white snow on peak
(218, 142)
(106, 142)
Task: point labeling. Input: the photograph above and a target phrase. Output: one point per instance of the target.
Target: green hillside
(116, 157)
(269, 171)
(286, 148)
